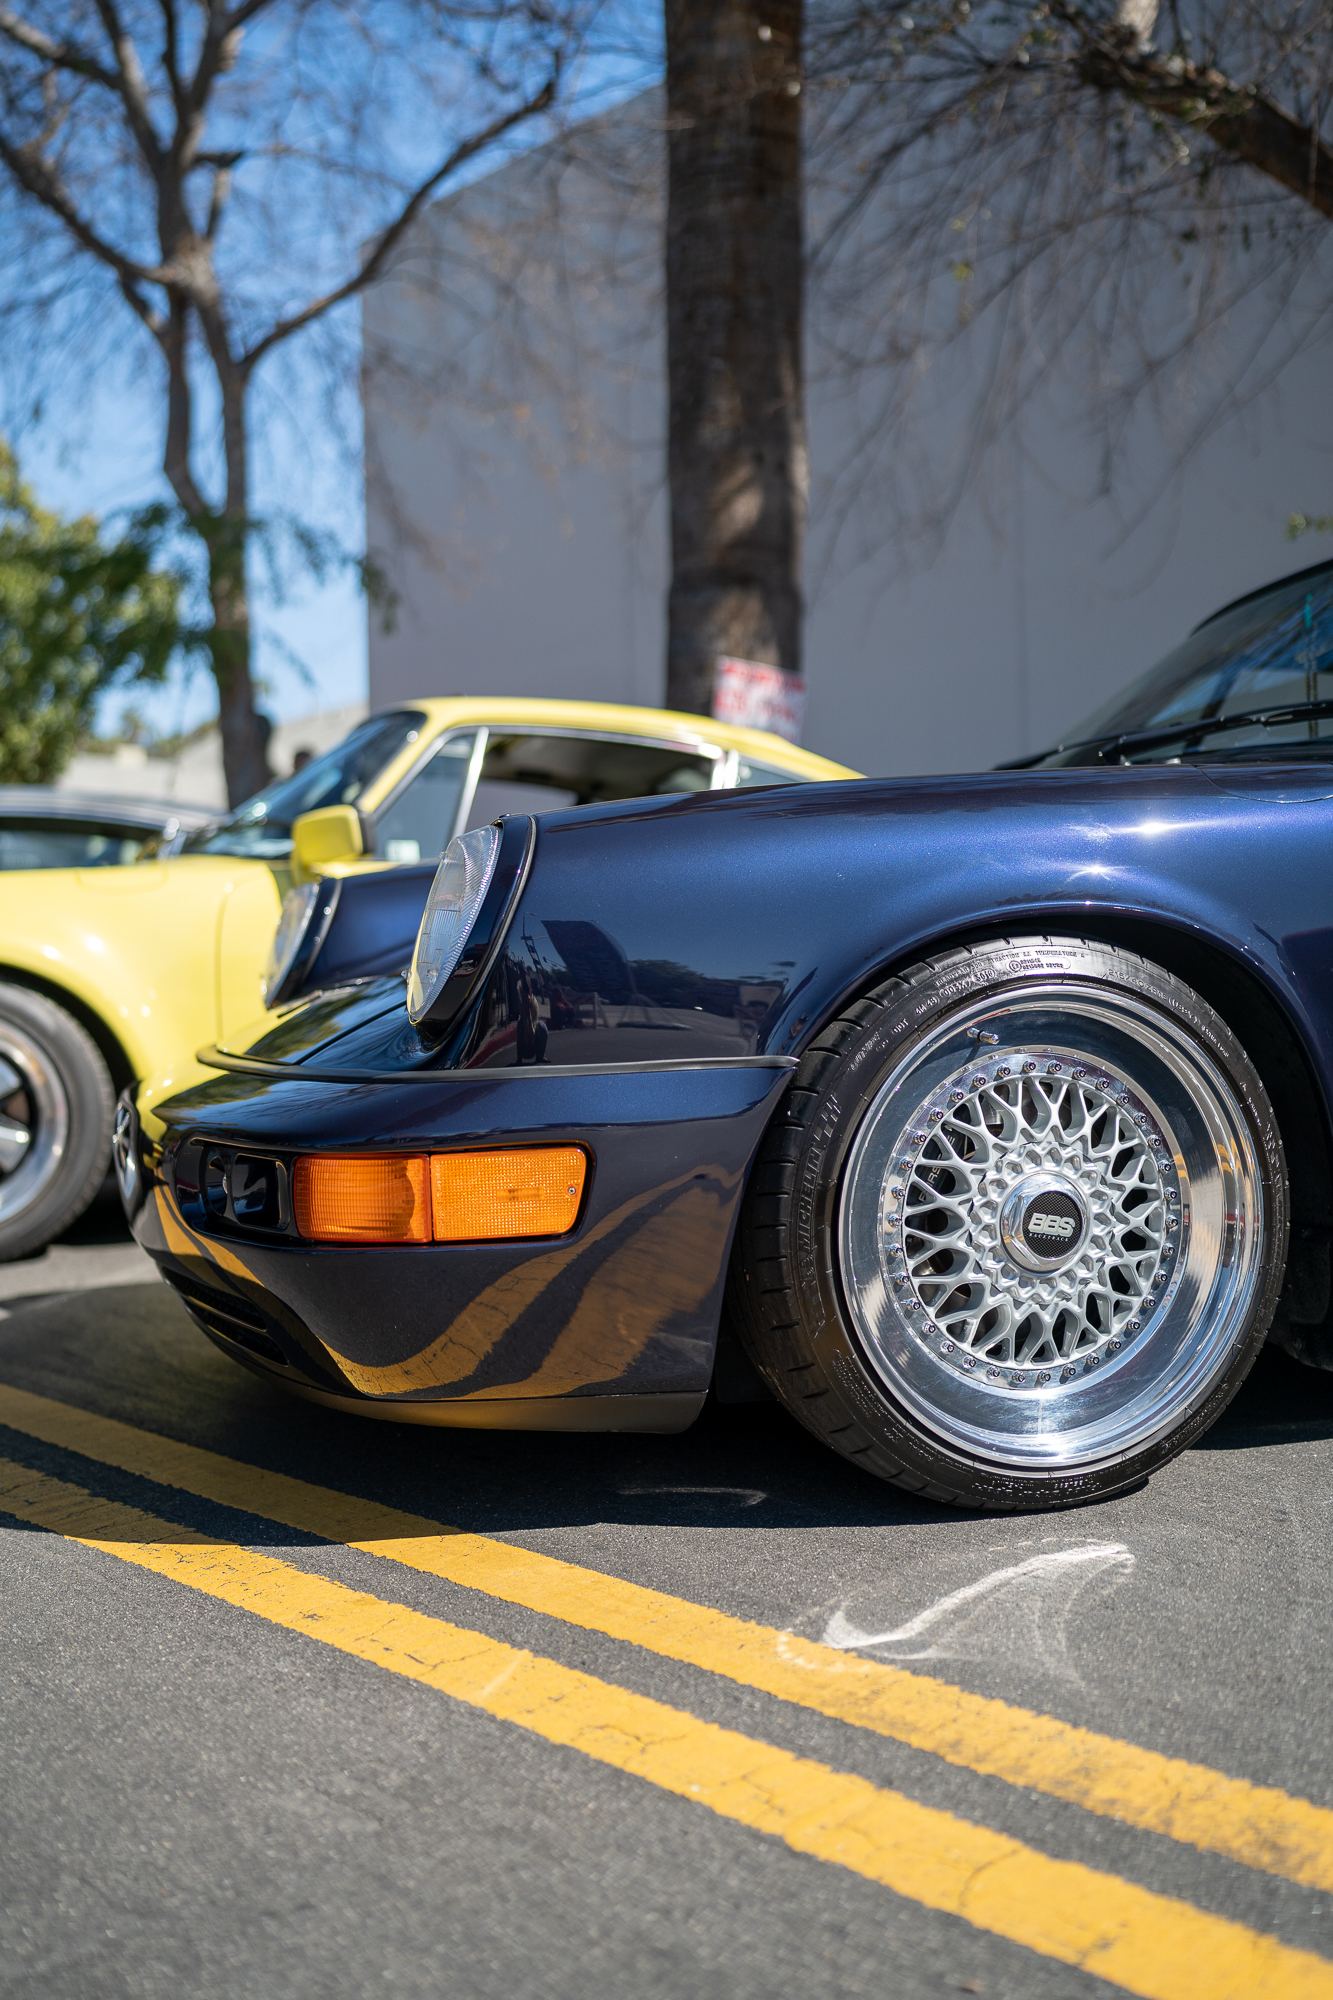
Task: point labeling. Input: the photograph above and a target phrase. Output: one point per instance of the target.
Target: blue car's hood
(728, 926)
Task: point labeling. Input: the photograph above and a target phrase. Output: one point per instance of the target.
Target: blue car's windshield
(1272, 651)
(261, 829)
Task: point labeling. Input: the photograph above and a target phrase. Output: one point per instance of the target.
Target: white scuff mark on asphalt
(1018, 1614)
(749, 1496)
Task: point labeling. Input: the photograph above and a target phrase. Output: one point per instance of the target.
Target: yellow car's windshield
(261, 829)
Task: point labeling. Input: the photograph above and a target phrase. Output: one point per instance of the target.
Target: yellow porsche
(109, 970)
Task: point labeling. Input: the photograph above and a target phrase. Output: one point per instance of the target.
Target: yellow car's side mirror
(331, 834)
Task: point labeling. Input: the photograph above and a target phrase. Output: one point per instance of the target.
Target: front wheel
(1018, 1231)
(56, 1105)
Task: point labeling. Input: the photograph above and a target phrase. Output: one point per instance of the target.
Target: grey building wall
(519, 504)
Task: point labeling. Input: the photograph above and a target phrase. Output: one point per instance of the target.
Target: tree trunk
(243, 730)
(737, 456)
(224, 535)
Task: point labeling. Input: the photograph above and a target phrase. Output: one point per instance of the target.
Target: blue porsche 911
(984, 1121)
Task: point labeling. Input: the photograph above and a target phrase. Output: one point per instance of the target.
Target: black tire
(880, 1319)
(54, 1087)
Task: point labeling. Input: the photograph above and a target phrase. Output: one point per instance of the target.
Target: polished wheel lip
(1118, 1401)
(47, 1123)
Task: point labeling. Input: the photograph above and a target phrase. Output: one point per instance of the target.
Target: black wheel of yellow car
(1018, 1230)
(56, 1108)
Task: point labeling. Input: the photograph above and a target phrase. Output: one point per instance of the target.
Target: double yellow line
(1149, 1944)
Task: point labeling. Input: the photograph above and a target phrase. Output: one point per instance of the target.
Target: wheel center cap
(1044, 1221)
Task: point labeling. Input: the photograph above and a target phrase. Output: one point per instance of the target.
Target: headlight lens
(456, 895)
(298, 907)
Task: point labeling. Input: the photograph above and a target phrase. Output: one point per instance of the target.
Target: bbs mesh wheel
(1017, 1232)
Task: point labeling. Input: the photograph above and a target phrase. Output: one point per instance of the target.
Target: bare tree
(232, 175)
(734, 284)
(1137, 197)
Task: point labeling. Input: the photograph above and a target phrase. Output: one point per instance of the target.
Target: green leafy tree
(78, 613)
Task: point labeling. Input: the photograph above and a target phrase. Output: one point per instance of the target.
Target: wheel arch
(107, 1043)
(1261, 1020)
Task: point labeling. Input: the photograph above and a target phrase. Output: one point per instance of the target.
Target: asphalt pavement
(448, 1712)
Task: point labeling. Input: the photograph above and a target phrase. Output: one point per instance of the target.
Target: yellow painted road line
(1149, 1944)
(1257, 1825)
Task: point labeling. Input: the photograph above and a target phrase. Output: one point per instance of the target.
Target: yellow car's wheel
(56, 1107)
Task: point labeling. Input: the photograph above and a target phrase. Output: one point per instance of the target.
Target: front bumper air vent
(231, 1318)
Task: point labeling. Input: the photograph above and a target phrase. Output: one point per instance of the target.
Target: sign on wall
(753, 696)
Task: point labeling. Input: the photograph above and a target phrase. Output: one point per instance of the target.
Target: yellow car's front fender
(165, 954)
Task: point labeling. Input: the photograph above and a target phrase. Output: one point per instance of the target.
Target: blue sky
(98, 450)
(105, 457)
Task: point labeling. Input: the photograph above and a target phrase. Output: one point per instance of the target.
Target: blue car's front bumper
(611, 1327)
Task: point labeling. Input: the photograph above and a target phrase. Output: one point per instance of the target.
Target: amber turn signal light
(349, 1198)
(481, 1197)
(454, 1197)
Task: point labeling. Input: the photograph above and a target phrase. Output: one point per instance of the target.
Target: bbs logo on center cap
(1052, 1224)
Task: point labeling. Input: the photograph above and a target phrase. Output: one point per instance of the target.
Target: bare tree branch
(374, 264)
(130, 83)
(171, 51)
(62, 55)
(221, 47)
(1101, 199)
(40, 178)
(1239, 119)
(316, 133)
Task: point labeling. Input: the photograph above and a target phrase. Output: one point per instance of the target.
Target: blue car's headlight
(307, 912)
(456, 895)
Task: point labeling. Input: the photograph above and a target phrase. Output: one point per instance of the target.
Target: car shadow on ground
(1279, 1402)
(129, 1352)
(102, 1222)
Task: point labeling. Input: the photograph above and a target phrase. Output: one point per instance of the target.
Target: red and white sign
(754, 696)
